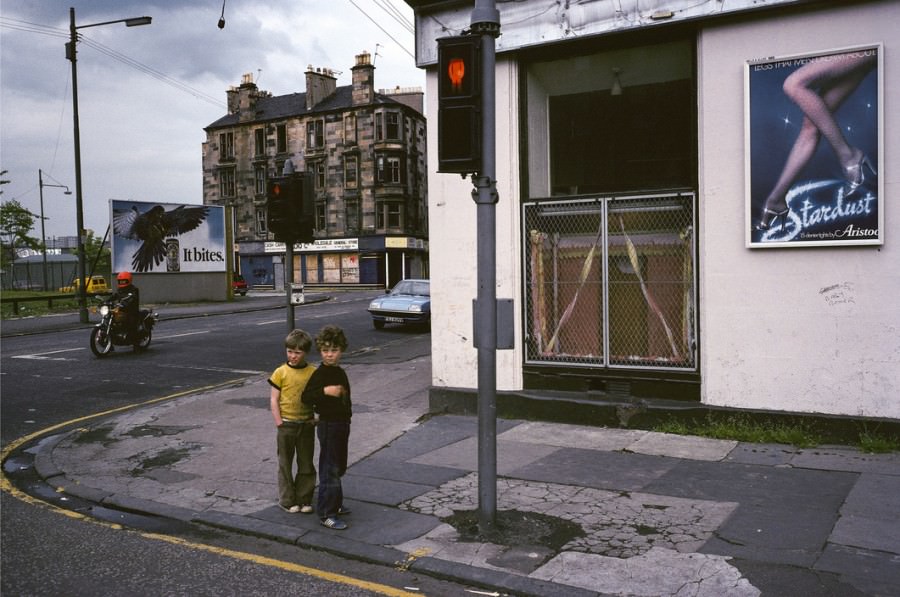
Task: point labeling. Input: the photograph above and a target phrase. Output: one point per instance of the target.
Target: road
(52, 378)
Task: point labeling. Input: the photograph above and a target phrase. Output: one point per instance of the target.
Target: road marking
(7, 486)
(42, 356)
(219, 369)
(324, 316)
(182, 335)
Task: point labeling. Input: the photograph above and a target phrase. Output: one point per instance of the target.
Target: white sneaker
(306, 509)
(292, 509)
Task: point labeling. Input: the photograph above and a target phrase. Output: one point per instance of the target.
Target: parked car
(409, 302)
(95, 285)
(239, 285)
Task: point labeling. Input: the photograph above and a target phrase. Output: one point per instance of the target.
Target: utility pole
(486, 24)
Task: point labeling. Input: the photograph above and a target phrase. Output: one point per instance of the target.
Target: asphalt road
(53, 378)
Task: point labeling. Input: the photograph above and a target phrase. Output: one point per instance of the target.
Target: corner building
(636, 146)
(366, 154)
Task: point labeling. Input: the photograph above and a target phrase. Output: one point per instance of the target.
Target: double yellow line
(7, 486)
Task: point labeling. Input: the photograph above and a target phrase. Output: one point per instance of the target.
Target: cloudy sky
(145, 93)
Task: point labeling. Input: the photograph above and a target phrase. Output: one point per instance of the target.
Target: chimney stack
(363, 80)
(320, 83)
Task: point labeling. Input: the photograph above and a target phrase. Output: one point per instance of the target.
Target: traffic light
(290, 208)
(459, 104)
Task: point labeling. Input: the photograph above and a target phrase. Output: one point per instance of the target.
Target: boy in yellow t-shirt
(295, 424)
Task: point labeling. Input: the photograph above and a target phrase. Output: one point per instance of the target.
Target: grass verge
(802, 434)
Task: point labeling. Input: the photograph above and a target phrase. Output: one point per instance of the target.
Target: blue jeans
(333, 439)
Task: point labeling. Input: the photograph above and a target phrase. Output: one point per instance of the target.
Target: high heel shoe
(856, 174)
(769, 217)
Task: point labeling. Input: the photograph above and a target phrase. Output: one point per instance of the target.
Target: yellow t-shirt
(291, 381)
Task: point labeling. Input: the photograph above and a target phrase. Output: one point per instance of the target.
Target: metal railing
(610, 281)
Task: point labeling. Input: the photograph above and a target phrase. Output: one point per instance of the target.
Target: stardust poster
(814, 149)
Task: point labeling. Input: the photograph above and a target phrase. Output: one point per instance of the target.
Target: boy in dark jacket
(328, 392)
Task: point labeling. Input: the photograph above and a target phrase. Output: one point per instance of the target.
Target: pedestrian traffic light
(459, 104)
(290, 208)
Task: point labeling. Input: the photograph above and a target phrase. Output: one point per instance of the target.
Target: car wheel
(378, 324)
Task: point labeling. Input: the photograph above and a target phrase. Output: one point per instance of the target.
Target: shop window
(609, 232)
(611, 282)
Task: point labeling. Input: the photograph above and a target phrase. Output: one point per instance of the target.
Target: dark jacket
(329, 408)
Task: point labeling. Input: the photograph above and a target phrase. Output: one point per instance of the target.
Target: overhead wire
(377, 24)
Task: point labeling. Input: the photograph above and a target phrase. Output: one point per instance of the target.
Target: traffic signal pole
(486, 24)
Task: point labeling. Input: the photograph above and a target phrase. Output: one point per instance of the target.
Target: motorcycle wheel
(144, 341)
(101, 344)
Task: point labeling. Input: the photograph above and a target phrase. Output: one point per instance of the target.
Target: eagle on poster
(152, 227)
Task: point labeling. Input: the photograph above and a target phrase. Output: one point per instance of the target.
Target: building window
(261, 222)
(320, 215)
(319, 173)
(226, 146)
(611, 273)
(350, 129)
(315, 134)
(226, 183)
(259, 145)
(388, 169)
(389, 215)
(259, 177)
(351, 170)
(351, 209)
(392, 125)
(281, 141)
(379, 126)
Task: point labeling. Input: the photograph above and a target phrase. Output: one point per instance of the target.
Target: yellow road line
(6, 485)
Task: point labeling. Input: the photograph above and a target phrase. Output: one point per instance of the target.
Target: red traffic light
(459, 104)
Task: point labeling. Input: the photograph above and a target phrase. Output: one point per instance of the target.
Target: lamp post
(41, 186)
(79, 205)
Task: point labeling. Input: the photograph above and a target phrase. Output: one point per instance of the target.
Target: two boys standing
(299, 392)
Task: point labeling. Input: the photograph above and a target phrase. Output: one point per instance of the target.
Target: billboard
(167, 237)
(814, 166)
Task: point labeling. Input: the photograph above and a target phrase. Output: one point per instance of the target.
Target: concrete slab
(871, 572)
(572, 436)
(410, 472)
(592, 468)
(847, 459)
(380, 491)
(463, 455)
(683, 446)
(880, 534)
(762, 454)
(658, 572)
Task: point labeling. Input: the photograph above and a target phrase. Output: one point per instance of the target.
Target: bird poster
(167, 238)
(813, 127)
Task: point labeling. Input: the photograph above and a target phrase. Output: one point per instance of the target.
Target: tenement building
(365, 152)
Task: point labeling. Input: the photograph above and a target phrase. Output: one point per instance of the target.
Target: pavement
(643, 513)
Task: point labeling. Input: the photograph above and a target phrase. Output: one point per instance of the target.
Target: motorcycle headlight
(104, 310)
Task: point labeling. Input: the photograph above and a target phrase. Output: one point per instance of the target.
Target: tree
(15, 224)
(97, 255)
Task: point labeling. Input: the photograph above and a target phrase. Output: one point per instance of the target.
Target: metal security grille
(610, 281)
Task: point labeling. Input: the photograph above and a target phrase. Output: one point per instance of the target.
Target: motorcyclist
(130, 297)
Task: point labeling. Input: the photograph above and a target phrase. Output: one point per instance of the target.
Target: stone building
(366, 154)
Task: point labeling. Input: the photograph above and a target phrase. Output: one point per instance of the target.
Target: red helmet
(124, 279)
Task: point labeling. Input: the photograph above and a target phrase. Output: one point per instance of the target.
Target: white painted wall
(803, 329)
(453, 245)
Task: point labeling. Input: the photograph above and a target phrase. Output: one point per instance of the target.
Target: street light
(41, 186)
(79, 206)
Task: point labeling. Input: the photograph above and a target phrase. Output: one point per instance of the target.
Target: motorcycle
(113, 328)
